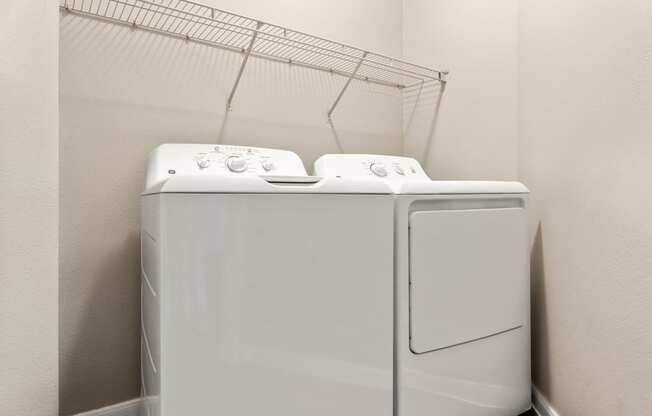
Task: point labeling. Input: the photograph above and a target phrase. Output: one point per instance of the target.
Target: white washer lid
(268, 185)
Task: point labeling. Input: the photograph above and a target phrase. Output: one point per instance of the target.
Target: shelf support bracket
(433, 125)
(247, 52)
(336, 136)
(346, 85)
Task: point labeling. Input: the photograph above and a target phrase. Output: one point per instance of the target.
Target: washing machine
(462, 297)
(264, 291)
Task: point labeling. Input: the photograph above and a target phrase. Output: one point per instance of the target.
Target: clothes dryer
(462, 297)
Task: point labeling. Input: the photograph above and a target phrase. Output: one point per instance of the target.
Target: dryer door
(468, 274)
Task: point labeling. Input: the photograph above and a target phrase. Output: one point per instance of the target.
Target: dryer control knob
(267, 165)
(399, 170)
(203, 163)
(236, 164)
(378, 169)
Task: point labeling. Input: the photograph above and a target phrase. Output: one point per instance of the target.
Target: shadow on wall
(98, 359)
(540, 372)
(421, 108)
(276, 104)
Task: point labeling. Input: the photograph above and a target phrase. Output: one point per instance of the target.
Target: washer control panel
(247, 160)
(210, 159)
(390, 168)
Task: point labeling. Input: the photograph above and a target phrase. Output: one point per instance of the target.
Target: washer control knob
(267, 165)
(203, 162)
(236, 164)
(399, 170)
(378, 169)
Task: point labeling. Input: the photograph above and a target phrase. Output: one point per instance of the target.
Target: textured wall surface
(585, 151)
(28, 208)
(122, 93)
(475, 131)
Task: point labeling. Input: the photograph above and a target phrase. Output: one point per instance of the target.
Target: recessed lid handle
(283, 179)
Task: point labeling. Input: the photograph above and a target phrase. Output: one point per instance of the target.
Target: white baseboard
(135, 407)
(541, 404)
(131, 408)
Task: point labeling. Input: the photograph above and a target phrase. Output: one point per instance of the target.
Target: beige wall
(122, 93)
(585, 151)
(475, 133)
(559, 95)
(28, 208)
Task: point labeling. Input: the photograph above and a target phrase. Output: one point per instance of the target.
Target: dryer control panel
(390, 168)
(211, 159)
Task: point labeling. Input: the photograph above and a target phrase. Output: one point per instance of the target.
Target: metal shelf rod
(346, 85)
(242, 67)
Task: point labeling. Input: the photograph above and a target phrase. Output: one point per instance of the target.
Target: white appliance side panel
(277, 304)
(149, 260)
(150, 309)
(150, 379)
(465, 266)
(150, 215)
(150, 324)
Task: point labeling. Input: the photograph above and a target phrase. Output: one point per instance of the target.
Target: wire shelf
(195, 22)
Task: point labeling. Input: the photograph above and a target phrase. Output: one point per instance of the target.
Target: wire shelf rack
(196, 22)
(193, 21)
